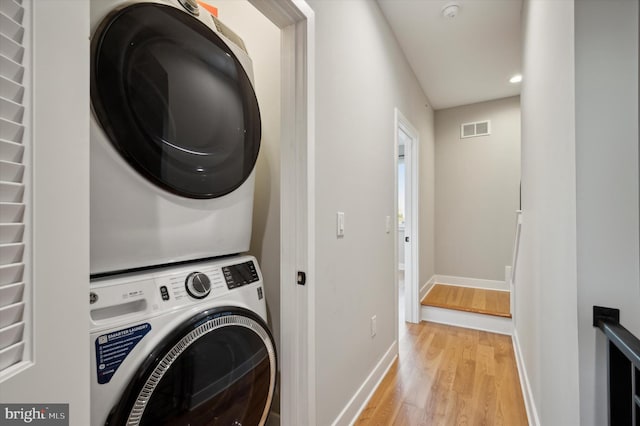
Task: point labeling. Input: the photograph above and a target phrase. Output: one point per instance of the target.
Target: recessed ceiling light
(516, 78)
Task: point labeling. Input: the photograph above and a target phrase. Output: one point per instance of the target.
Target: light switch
(340, 224)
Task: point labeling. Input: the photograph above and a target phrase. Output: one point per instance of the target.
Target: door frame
(411, 287)
(296, 20)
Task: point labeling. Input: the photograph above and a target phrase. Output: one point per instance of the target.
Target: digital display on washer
(240, 274)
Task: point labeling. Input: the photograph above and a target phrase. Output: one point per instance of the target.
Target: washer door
(218, 369)
(174, 100)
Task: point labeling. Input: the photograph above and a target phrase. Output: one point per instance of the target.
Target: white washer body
(135, 223)
(158, 303)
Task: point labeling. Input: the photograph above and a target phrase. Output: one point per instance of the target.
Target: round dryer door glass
(174, 100)
(218, 370)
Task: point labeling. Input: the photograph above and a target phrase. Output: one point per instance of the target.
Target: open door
(406, 139)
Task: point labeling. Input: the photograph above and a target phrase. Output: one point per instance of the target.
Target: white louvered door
(15, 75)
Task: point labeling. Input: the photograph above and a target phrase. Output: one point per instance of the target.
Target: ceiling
(461, 60)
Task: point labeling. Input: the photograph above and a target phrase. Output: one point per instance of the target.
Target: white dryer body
(174, 136)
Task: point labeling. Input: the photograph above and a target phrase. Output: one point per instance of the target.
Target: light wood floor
(490, 302)
(447, 375)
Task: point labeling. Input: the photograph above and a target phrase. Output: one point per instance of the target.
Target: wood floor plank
(479, 302)
(387, 383)
(408, 415)
(419, 390)
(455, 295)
(467, 299)
(449, 376)
(503, 302)
(491, 301)
(482, 301)
(388, 408)
(486, 401)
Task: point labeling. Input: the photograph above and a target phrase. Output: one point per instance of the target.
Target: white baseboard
(472, 282)
(359, 401)
(527, 394)
(490, 323)
(426, 287)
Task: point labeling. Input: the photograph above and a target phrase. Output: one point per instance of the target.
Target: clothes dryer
(175, 134)
(184, 345)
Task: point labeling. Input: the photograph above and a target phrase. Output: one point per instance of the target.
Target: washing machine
(185, 345)
(174, 136)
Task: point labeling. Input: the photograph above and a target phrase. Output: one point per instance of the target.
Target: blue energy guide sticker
(112, 349)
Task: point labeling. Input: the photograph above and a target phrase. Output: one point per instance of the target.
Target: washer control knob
(198, 285)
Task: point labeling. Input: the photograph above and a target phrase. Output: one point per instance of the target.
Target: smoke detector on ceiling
(450, 10)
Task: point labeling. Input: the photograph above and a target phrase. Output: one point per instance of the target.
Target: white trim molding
(296, 20)
(360, 399)
(426, 287)
(472, 282)
(527, 393)
(472, 320)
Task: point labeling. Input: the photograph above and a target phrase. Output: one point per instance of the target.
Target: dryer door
(174, 100)
(218, 369)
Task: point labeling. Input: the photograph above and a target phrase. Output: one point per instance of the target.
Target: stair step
(469, 299)
(468, 307)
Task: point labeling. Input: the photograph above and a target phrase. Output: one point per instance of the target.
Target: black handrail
(623, 368)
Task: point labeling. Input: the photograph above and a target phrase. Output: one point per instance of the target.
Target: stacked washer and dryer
(178, 330)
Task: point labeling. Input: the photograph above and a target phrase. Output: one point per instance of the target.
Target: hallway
(449, 376)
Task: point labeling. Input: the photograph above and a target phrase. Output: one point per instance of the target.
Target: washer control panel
(240, 274)
(206, 280)
(191, 284)
(122, 299)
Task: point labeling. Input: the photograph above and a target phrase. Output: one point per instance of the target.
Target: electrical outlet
(373, 326)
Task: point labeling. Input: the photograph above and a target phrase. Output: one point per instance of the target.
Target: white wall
(546, 281)
(607, 183)
(61, 212)
(477, 189)
(426, 195)
(361, 75)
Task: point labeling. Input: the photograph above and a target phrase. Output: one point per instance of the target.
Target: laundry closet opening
(185, 133)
